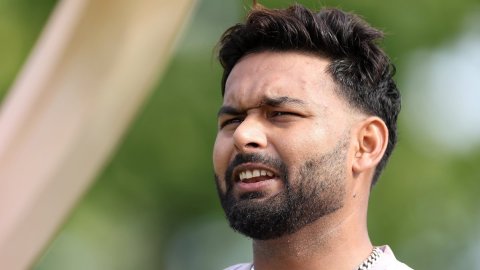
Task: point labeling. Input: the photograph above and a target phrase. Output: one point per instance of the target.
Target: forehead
(274, 74)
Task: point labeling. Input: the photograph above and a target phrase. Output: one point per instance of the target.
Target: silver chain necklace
(372, 258)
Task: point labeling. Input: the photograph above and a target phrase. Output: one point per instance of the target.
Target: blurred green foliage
(155, 206)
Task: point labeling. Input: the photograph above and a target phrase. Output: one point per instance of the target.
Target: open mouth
(252, 174)
(256, 177)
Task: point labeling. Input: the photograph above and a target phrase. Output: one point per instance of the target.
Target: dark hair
(358, 65)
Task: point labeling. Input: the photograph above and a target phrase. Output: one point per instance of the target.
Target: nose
(250, 136)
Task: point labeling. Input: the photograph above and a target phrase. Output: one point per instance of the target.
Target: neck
(329, 243)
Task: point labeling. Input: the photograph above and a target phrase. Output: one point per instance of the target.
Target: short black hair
(360, 68)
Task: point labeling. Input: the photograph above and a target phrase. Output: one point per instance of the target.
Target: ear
(372, 140)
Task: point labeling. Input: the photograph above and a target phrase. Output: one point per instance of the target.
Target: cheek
(301, 145)
(221, 157)
(221, 154)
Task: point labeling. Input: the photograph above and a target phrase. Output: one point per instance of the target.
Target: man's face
(280, 154)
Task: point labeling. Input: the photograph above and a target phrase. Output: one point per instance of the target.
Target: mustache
(271, 162)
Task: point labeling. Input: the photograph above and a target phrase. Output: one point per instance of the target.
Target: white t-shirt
(386, 261)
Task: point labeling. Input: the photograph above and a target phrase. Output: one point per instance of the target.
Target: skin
(284, 104)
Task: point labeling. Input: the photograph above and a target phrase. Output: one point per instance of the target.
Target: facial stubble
(312, 191)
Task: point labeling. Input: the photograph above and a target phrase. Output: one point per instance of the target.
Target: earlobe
(372, 139)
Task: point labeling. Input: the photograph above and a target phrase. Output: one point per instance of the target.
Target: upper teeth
(254, 173)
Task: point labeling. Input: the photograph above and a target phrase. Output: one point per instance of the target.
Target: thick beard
(313, 191)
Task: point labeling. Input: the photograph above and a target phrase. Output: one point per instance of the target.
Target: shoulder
(398, 266)
(388, 261)
(242, 266)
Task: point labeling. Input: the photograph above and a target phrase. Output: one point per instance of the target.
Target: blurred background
(154, 206)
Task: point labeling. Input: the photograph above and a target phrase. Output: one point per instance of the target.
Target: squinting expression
(281, 143)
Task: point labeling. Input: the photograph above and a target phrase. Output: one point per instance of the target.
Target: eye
(284, 117)
(282, 113)
(230, 121)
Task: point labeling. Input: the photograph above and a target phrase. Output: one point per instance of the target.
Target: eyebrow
(284, 100)
(267, 101)
(228, 110)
